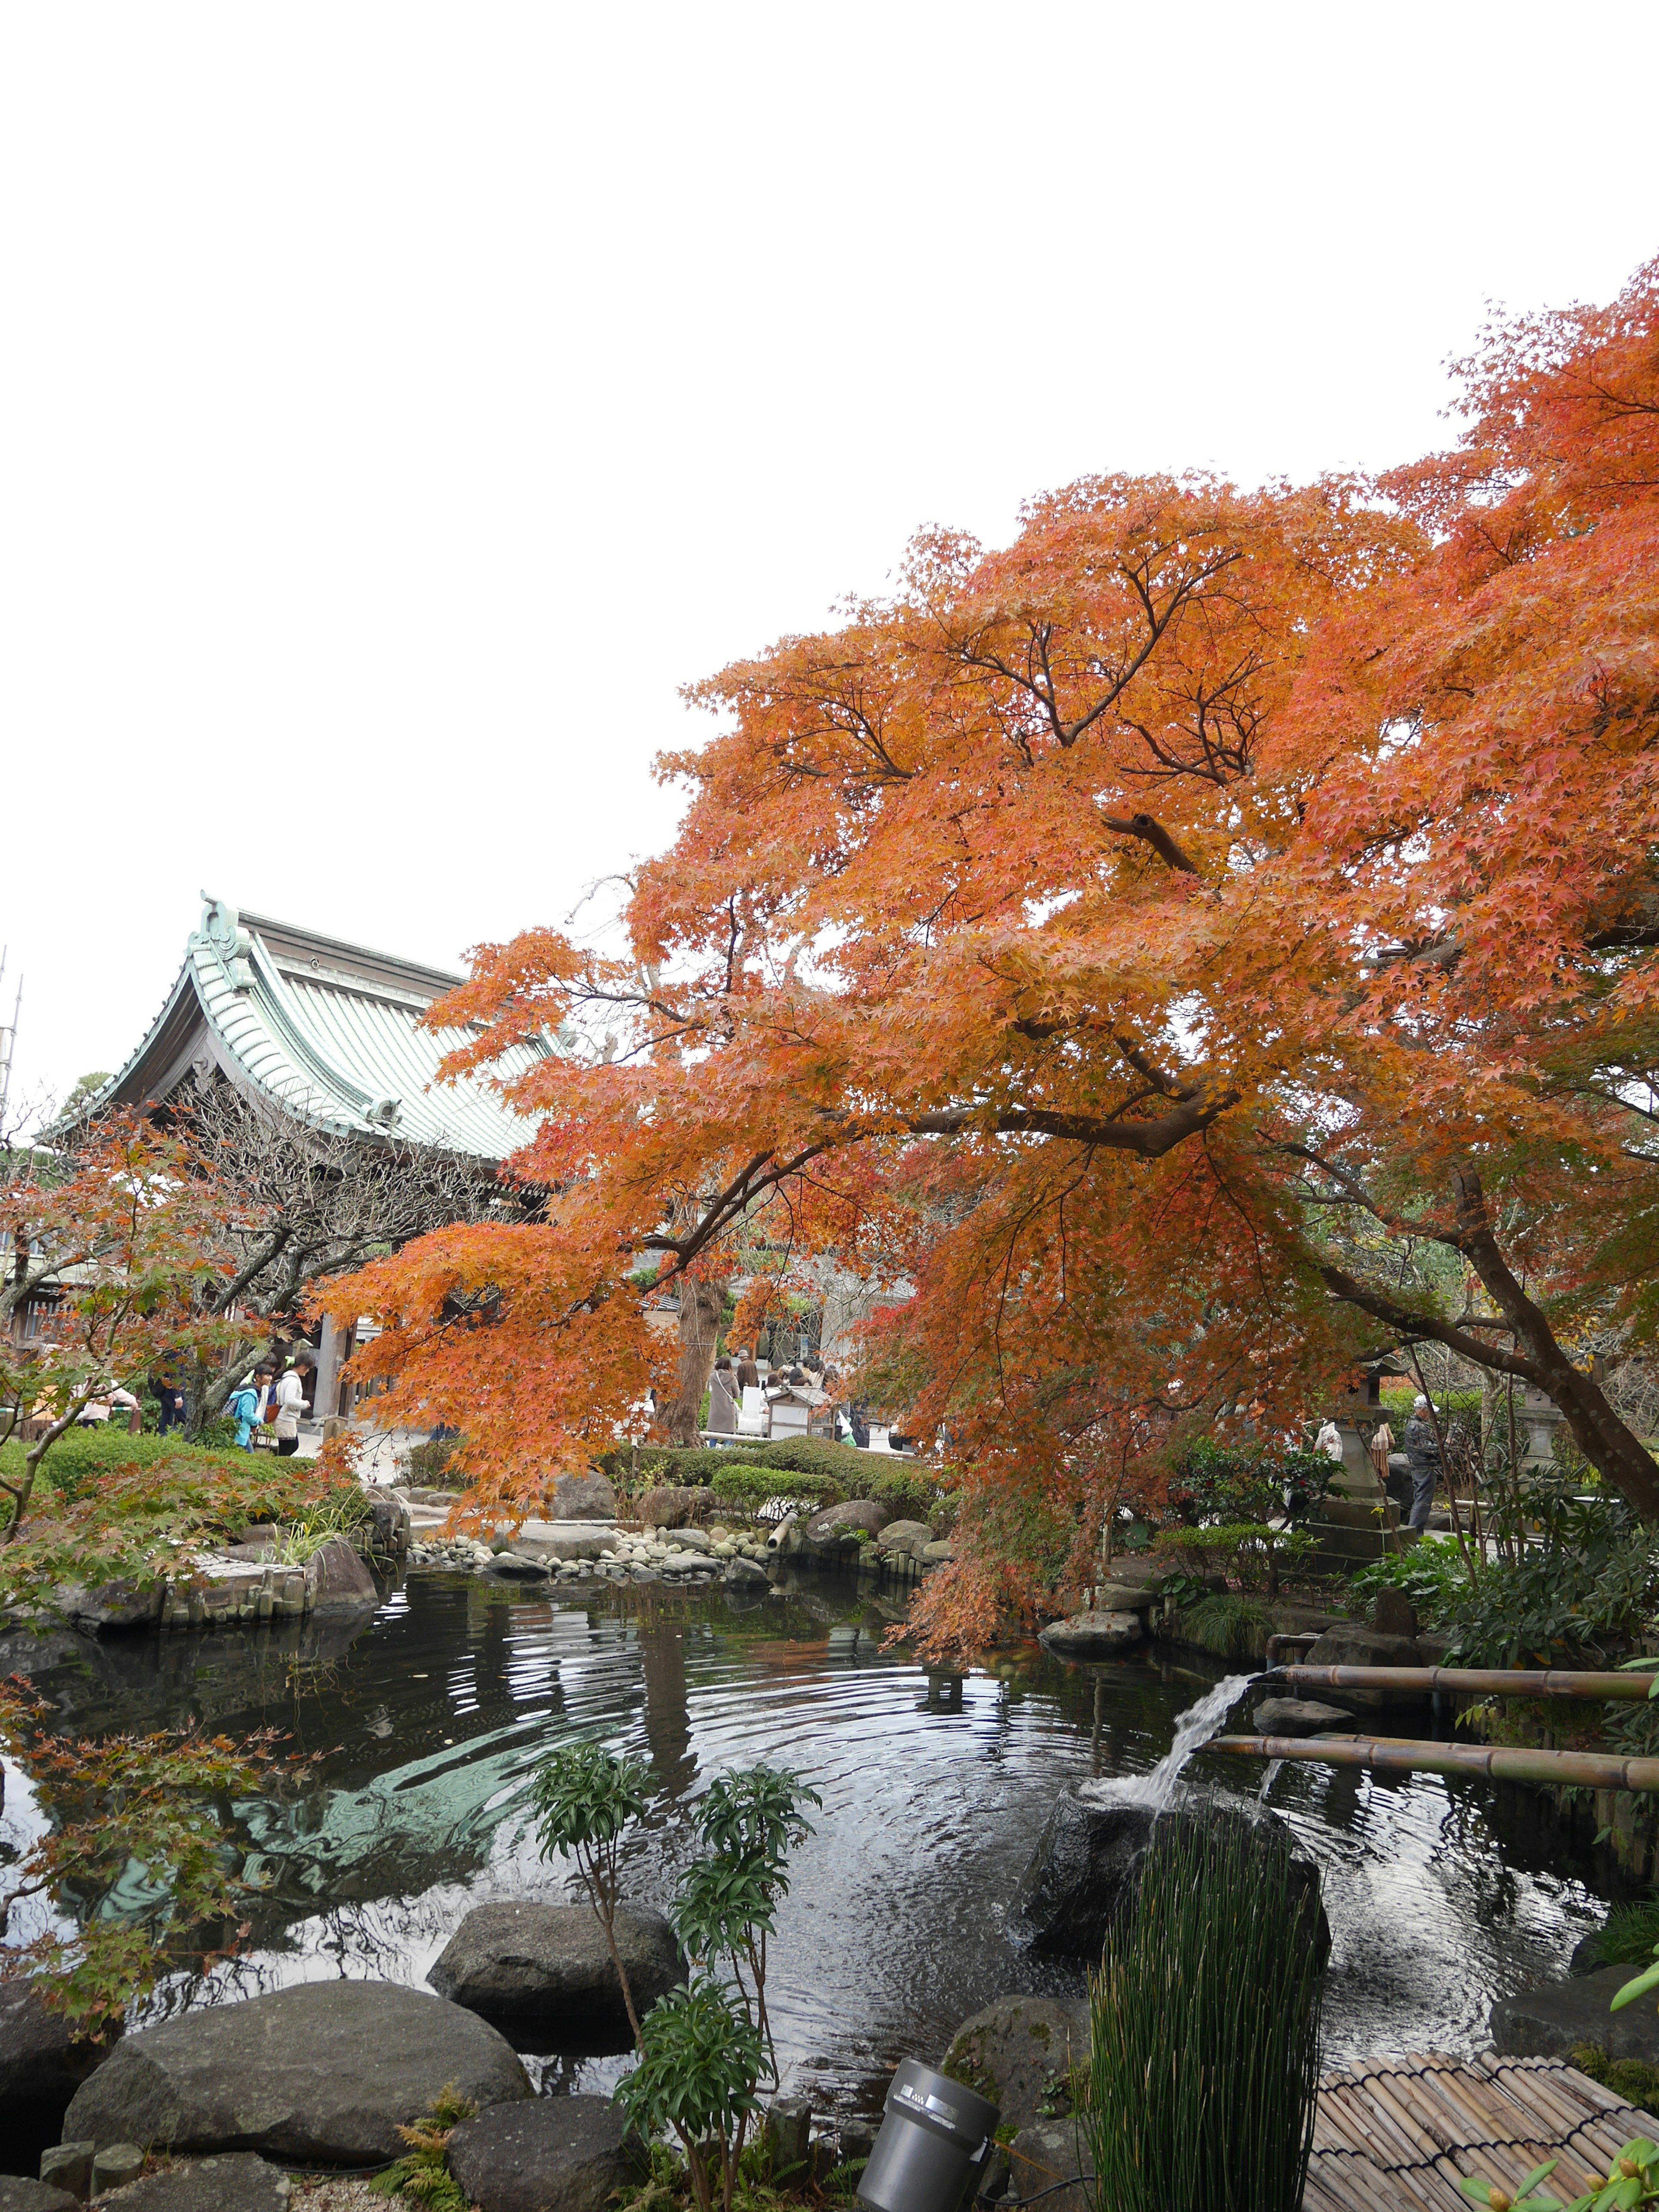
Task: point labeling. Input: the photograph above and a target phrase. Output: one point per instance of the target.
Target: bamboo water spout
(1592, 1770)
(1465, 1681)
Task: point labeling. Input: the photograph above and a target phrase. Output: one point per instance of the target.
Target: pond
(430, 1714)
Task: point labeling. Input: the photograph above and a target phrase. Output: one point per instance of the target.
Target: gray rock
(327, 2070)
(337, 1580)
(935, 1555)
(789, 2135)
(1018, 2051)
(1392, 1614)
(744, 1571)
(1547, 2023)
(1093, 1635)
(910, 1537)
(1301, 1717)
(109, 1605)
(586, 1496)
(19, 2194)
(41, 2066)
(1086, 1871)
(690, 1539)
(69, 2165)
(518, 1566)
(547, 1967)
(1350, 1643)
(550, 2155)
(115, 2166)
(1124, 1597)
(669, 1507)
(391, 1520)
(833, 1525)
(238, 2182)
(1050, 2151)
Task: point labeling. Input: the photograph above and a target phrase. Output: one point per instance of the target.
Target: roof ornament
(385, 1112)
(222, 928)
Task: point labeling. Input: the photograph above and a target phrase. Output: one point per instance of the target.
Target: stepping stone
(239, 2183)
(552, 2155)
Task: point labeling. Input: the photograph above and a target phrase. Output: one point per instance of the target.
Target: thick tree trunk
(1615, 1452)
(700, 1301)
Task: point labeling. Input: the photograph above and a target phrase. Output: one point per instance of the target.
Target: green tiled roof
(326, 1030)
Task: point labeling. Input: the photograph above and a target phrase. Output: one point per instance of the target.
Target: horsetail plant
(1204, 2066)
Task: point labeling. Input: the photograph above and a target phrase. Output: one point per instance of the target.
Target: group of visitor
(278, 1401)
(738, 1370)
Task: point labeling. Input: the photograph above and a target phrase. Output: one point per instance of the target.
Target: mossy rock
(1020, 2054)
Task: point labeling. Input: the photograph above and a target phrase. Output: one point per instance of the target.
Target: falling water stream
(1193, 1729)
(429, 1715)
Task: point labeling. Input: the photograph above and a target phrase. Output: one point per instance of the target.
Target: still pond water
(431, 1713)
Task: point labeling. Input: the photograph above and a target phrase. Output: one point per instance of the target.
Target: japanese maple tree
(110, 1257)
(1145, 942)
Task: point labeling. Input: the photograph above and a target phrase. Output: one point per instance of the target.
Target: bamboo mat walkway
(1398, 2138)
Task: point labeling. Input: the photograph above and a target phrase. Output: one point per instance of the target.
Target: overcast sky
(400, 402)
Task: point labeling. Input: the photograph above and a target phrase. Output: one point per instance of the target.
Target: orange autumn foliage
(1147, 941)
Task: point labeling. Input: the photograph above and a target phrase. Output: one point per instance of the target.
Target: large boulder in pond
(669, 1505)
(832, 1526)
(584, 1496)
(327, 2071)
(338, 1580)
(1018, 2052)
(1086, 1871)
(552, 2155)
(911, 1537)
(1095, 1635)
(1350, 1643)
(544, 1971)
(41, 2066)
(1548, 2021)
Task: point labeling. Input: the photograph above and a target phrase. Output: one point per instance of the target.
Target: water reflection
(429, 1718)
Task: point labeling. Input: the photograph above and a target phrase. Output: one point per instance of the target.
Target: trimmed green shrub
(1204, 2050)
(751, 1486)
(76, 1462)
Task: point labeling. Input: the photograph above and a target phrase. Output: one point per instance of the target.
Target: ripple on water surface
(430, 1717)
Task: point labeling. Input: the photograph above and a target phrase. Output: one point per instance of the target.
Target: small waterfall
(1193, 1729)
(1269, 1779)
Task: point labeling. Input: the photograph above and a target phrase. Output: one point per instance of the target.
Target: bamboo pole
(1466, 1681)
(1592, 1770)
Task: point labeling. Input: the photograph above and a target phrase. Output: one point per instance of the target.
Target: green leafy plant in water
(584, 1797)
(422, 2172)
(748, 1822)
(703, 2049)
(1204, 2059)
(701, 2056)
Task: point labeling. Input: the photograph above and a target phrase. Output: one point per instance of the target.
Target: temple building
(326, 1032)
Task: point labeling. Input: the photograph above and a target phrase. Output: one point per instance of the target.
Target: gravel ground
(340, 2196)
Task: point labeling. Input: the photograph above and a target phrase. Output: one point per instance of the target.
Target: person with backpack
(244, 1407)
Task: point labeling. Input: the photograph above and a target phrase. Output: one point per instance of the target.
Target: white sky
(398, 402)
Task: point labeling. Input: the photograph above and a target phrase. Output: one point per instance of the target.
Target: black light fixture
(936, 2141)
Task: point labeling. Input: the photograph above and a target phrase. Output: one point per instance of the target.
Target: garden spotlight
(935, 2143)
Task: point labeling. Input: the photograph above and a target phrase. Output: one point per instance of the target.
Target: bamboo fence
(1398, 2137)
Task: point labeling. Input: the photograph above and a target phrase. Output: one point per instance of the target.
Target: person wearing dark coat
(1421, 1446)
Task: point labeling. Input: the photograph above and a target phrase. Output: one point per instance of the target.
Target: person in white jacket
(289, 1405)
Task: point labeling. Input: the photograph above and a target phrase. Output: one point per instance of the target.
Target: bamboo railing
(1592, 1770)
(1465, 1681)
